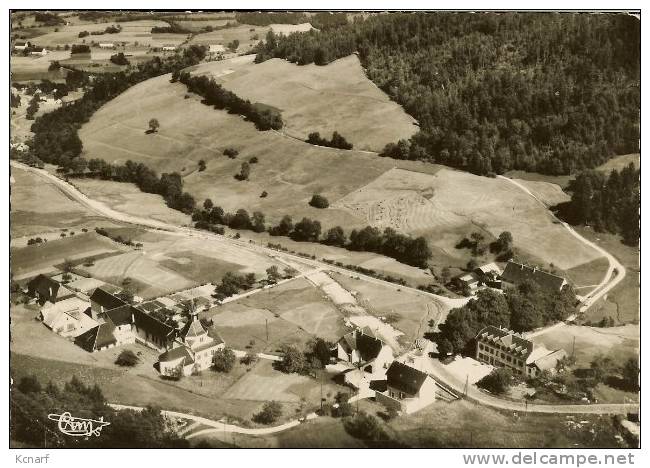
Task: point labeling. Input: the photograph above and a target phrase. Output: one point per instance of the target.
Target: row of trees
(608, 203)
(544, 92)
(412, 251)
(337, 141)
(216, 95)
(520, 309)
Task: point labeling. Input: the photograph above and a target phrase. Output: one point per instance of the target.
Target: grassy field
(38, 206)
(294, 312)
(318, 98)
(34, 259)
(619, 162)
(247, 35)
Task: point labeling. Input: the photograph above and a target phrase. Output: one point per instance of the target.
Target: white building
(68, 317)
(106, 45)
(407, 389)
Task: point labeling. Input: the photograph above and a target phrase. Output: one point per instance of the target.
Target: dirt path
(615, 273)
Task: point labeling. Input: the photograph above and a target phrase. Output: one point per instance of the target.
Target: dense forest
(606, 202)
(546, 92)
(31, 402)
(523, 308)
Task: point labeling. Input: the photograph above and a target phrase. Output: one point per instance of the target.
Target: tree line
(606, 202)
(520, 308)
(337, 141)
(545, 92)
(216, 95)
(405, 249)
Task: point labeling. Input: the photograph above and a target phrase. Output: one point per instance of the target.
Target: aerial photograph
(335, 229)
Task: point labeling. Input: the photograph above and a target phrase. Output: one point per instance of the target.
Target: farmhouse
(106, 45)
(168, 48)
(101, 301)
(216, 48)
(407, 389)
(504, 348)
(41, 51)
(97, 339)
(45, 289)
(68, 317)
(469, 281)
(21, 45)
(484, 276)
(362, 349)
(516, 273)
(193, 353)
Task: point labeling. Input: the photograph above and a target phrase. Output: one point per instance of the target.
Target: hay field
(619, 162)
(430, 204)
(549, 194)
(244, 33)
(336, 97)
(38, 206)
(132, 32)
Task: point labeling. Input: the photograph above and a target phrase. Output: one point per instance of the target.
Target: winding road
(615, 274)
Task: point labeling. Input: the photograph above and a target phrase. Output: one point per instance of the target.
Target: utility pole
(321, 393)
(267, 330)
(573, 350)
(466, 384)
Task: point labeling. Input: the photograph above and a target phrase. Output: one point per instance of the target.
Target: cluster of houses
(103, 320)
(373, 367)
(31, 48)
(491, 276)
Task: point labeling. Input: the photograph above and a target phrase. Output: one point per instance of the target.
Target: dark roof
(121, 315)
(405, 378)
(148, 307)
(97, 337)
(37, 49)
(152, 325)
(507, 338)
(105, 299)
(177, 353)
(192, 328)
(364, 342)
(517, 273)
(42, 285)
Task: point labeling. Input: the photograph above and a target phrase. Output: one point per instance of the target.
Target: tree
(224, 360)
(498, 381)
(273, 274)
(270, 413)
(208, 205)
(335, 237)
(365, 427)
(244, 172)
(321, 350)
(318, 201)
(154, 125)
(292, 360)
(630, 373)
(601, 367)
(67, 266)
(29, 384)
(445, 275)
(258, 223)
(241, 220)
(230, 152)
(306, 231)
(202, 165)
(284, 228)
(127, 358)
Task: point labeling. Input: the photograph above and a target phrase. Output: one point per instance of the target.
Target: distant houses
(21, 45)
(407, 389)
(106, 45)
(168, 48)
(505, 348)
(40, 51)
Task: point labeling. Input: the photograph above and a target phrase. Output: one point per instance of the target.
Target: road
(103, 210)
(439, 373)
(615, 272)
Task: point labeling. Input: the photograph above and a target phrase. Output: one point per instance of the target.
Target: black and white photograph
(323, 228)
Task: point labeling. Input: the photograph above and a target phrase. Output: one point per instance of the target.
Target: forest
(606, 202)
(544, 92)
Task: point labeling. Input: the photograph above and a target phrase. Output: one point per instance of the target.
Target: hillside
(419, 198)
(337, 97)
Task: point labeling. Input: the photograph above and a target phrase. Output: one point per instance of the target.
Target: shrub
(270, 413)
(224, 360)
(231, 153)
(264, 194)
(127, 358)
(319, 201)
(365, 427)
(29, 384)
(498, 381)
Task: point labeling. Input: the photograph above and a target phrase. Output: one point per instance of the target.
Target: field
(38, 206)
(619, 162)
(318, 98)
(247, 35)
(430, 204)
(164, 264)
(29, 261)
(293, 312)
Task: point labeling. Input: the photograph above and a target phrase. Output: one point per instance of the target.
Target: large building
(407, 389)
(516, 273)
(500, 347)
(45, 289)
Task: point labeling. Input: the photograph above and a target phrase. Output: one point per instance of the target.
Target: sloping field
(337, 97)
(430, 204)
(132, 31)
(619, 162)
(247, 35)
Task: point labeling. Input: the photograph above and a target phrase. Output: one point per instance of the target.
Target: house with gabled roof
(407, 389)
(45, 289)
(68, 317)
(363, 349)
(517, 273)
(101, 301)
(501, 347)
(194, 350)
(98, 338)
